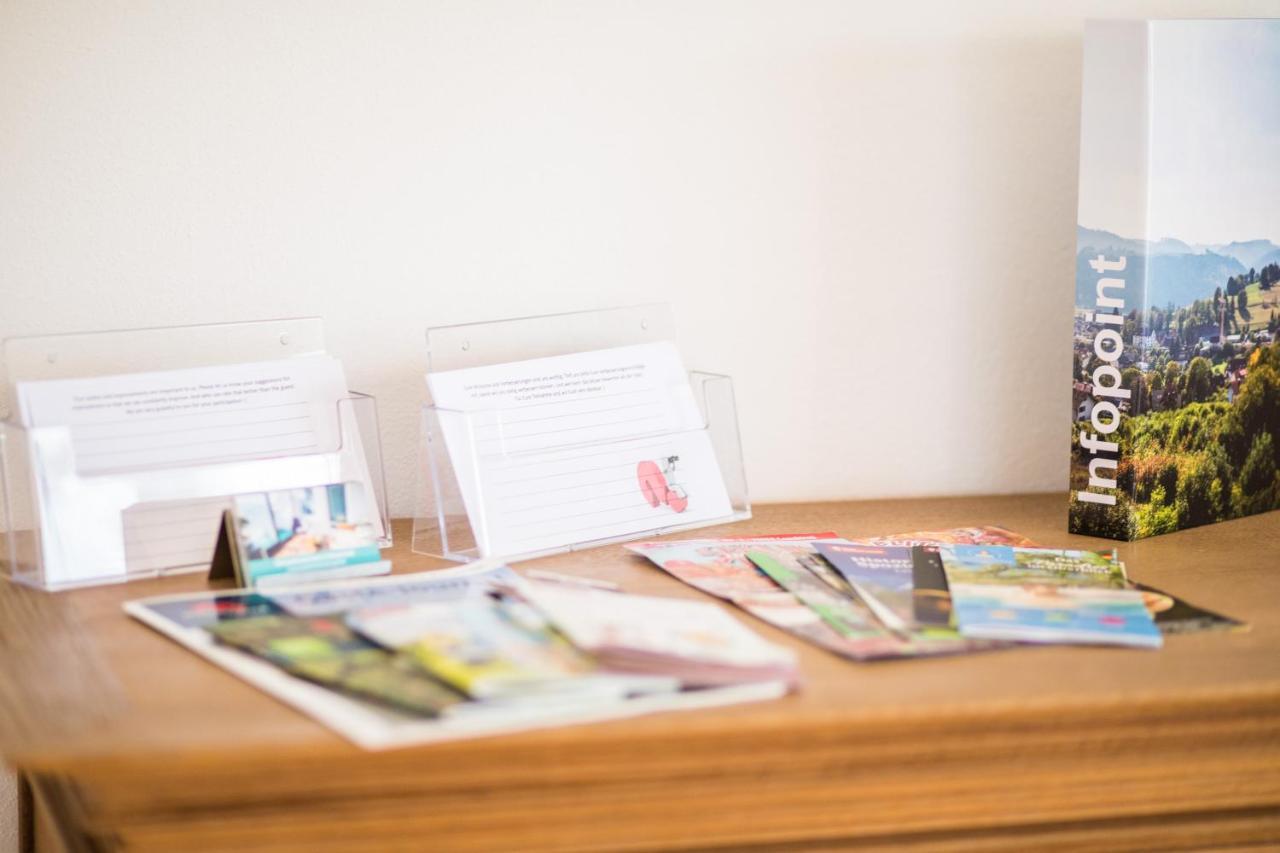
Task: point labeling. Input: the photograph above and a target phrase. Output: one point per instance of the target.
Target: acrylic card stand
(442, 525)
(25, 526)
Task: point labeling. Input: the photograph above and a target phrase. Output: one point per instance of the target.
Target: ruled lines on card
(228, 435)
(586, 420)
(579, 447)
(172, 534)
(579, 495)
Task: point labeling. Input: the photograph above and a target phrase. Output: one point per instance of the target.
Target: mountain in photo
(1253, 254)
(1180, 272)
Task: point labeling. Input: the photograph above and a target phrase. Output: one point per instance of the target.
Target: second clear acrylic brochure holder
(442, 527)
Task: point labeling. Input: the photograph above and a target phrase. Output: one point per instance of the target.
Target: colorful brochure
(295, 536)
(882, 577)
(1045, 596)
(720, 567)
(849, 614)
(697, 642)
(794, 574)
(931, 597)
(324, 650)
(981, 535)
(434, 586)
(1175, 616)
(495, 649)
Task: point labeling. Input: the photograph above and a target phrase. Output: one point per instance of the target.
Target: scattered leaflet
(814, 582)
(324, 650)
(981, 535)
(493, 649)
(694, 641)
(930, 595)
(1045, 596)
(1175, 616)
(440, 586)
(882, 577)
(720, 567)
(794, 573)
(931, 598)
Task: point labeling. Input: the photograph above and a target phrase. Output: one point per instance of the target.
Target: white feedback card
(133, 471)
(555, 451)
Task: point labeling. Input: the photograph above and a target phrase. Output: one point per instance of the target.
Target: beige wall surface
(864, 212)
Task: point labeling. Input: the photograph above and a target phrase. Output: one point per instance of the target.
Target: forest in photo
(1200, 437)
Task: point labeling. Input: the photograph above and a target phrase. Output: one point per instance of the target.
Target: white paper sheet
(552, 452)
(133, 471)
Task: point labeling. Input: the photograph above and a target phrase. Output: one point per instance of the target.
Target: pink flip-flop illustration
(654, 486)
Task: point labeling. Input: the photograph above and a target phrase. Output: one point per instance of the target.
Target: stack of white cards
(133, 471)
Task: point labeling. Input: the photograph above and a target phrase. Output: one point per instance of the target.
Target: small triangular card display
(226, 553)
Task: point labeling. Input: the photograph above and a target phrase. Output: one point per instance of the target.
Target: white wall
(864, 212)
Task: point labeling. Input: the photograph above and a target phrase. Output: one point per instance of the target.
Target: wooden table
(126, 740)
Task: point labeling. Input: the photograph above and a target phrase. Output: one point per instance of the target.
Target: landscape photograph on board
(1176, 360)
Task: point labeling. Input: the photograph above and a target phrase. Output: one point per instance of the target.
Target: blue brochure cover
(1039, 595)
(881, 575)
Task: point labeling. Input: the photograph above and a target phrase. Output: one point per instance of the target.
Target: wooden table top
(148, 744)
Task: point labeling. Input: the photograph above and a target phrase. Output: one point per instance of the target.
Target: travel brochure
(1043, 596)
(721, 568)
(697, 641)
(785, 581)
(299, 535)
(325, 650)
(881, 575)
(493, 648)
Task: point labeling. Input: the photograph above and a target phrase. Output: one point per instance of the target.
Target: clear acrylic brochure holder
(23, 530)
(442, 526)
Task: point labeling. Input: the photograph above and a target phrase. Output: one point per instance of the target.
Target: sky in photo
(1214, 118)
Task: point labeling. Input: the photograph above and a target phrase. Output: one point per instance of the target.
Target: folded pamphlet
(491, 648)
(1041, 595)
(882, 577)
(694, 641)
(324, 650)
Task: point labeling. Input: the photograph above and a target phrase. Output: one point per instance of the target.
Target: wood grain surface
(132, 742)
